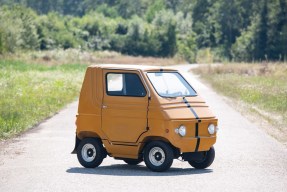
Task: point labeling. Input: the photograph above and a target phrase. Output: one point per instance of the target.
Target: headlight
(181, 130)
(211, 129)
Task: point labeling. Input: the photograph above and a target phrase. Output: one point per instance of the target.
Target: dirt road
(247, 159)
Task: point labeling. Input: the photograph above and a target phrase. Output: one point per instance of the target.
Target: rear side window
(124, 84)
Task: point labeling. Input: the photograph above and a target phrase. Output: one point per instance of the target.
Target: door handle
(104, 106)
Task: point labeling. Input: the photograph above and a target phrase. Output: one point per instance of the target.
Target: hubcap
(88, 152)
(156, 156)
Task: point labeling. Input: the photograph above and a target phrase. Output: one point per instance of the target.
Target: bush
(244, 47)
(17, 29)
(204, 56)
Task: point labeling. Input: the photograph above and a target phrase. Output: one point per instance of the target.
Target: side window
(124, 84)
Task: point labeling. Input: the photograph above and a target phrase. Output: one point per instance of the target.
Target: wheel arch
(82, 135)
(149, 139)
(86, 134)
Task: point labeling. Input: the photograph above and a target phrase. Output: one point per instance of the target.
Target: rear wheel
(90, 152)
(206, 161)
(158, 156)
(133, 161)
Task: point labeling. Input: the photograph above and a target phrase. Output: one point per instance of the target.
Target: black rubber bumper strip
(197, 144)
(196, 124)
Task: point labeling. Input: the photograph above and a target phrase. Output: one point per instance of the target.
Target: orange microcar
(142, 113)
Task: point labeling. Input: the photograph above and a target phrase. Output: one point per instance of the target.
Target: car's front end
(189, 124)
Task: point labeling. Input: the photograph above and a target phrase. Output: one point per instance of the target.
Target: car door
(125, 105)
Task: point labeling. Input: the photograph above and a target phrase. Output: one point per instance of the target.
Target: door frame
(105, 72)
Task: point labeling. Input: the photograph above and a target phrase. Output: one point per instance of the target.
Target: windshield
(170, 84)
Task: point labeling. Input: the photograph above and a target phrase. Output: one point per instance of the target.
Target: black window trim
(106, 84)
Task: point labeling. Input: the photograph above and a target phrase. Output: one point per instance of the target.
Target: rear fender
(77, 142)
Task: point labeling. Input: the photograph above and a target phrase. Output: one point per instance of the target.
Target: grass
(29, 93)
(262, 88)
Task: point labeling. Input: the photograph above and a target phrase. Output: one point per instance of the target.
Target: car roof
(132, 67)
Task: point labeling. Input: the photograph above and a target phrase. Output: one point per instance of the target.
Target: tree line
(240, 30)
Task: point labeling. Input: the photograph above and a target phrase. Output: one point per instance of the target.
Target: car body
(137, 113)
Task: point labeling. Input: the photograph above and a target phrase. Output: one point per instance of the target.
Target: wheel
(90, 152)
(133, 161)
(206, 161)
(158, 156)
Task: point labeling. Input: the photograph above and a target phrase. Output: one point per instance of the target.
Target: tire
(90, 152)
(133, 161)
(206, 161)
(158, 156)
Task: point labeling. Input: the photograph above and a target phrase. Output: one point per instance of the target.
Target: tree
(244, 47)
(201, 26)
(276, 31)
(155, 7)
(261, 37)
(165, 27)
(128, 8)
(22, 34)
(229, 29)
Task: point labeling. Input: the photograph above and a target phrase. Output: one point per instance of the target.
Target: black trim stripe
(196, 129)
(196, 124)
(197, 144)
(190, 108)
(196, 135)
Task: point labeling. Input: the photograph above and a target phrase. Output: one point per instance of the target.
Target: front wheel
(206, 161)
(158, 156)
(90, 153)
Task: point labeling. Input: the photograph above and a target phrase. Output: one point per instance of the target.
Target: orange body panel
(125, 124)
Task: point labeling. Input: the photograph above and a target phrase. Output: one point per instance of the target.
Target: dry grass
(56, 57)
(261, 88)
(246, 69)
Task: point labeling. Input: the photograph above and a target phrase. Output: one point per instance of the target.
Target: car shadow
(135, 170)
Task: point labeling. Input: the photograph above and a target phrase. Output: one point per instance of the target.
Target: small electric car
(142, 113)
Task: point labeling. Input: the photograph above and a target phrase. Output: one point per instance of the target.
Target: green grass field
(260, 87)
(29, 93)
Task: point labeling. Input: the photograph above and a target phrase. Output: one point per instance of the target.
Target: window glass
(115, 82)
(170, 84)
(125, 84)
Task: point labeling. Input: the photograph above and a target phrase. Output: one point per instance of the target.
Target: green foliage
(155, 7)
(205, 56)
(233, 29)
(128, 8)
(187, 49)
(165, 25)
(265, 38)
(186, 38)
(243, 48)
(29, 93)
(22, 33)
(107, 11)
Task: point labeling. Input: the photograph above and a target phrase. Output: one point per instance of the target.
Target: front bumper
(194, 144)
